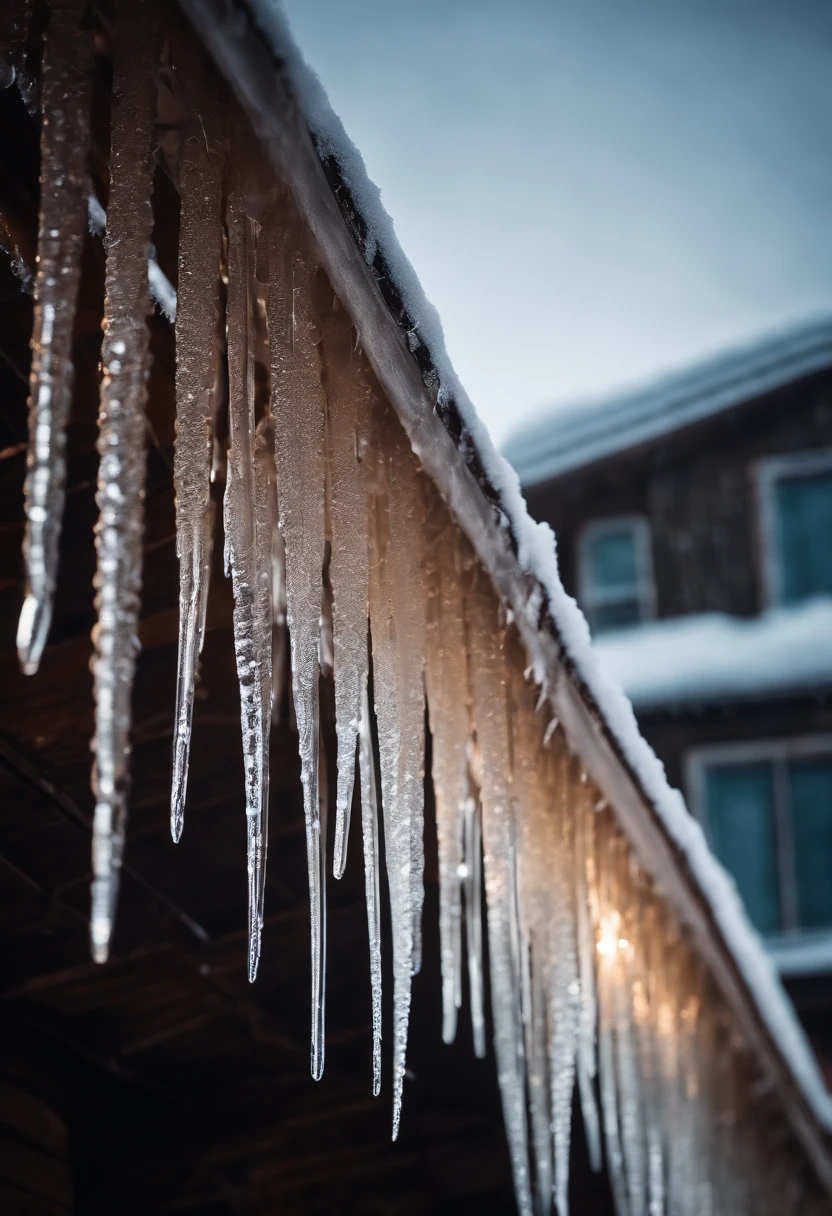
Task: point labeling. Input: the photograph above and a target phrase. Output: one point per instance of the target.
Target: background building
(694, 526)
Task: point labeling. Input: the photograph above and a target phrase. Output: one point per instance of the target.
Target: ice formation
(298, 410)
(197, 310)
(66, 88)
(121, 448)
(334, 534)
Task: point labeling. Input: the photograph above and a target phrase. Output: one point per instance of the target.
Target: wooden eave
(261, 80)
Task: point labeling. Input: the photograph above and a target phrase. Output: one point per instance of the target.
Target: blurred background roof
(592, 193)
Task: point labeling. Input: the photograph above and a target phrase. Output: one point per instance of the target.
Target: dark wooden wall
(696, 488)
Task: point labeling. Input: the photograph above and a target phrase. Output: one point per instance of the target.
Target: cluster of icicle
(590, 981)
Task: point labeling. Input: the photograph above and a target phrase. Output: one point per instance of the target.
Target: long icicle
(121, 447)
(407, 518)
(488, 680)
(197, 309)
(535, 840)
(66, 87)
(349, 399)
(369, 824)
(446, 675)
(348, 417)
(298, 411)
(564, 987)
(588, 1018)
(248, 553)
(397, 628)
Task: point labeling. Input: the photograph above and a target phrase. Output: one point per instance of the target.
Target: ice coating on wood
(397, 628)
(196, 321)
(121, 448)
(490, 713)
(248, 521)
(348, 394)
(446, 675)
(66, 87)
(298, 412)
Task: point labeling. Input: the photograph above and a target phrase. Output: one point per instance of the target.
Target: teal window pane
(612, 559)
(617, 615)
(804, 507)
(740, 806)
(810, 787)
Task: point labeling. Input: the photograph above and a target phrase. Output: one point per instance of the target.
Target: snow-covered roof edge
(710, 657)
(558, 440)
(381, 291)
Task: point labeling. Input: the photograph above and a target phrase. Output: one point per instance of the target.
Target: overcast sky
(591, 191)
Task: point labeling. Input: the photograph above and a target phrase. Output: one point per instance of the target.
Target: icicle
(248, 555)
(486, 639)
(298, 410)
(121, 447)
(587, 1069)
(535, 853)
(196, 321)
(607, 939)
(397, 628)
(66, 86)
(447, 683)
(348, 397)
(630, 1111)
(565, 989)
(472, 891)
(369, 824)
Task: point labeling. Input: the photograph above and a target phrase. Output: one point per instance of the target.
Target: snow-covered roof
(402, 337)
(568, 437)
(697, 660)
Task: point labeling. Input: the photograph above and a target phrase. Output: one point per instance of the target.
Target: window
(767, 811)
(796, 500)
(615, 572)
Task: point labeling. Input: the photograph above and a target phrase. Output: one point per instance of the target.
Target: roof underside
(570, 437)
(402, 339)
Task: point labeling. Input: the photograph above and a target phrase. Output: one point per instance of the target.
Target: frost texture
(121, 448)
(397, 622)
(298, 412)
(197, 310)
(66, 87)
(246, 512)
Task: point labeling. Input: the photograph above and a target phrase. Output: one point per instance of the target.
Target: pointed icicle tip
(32, 631)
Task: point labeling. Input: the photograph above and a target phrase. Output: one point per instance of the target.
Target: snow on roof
(533, 543)
(695, 660)
(564, 438)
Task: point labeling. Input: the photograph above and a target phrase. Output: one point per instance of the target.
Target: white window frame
(767, 473)
(645, 586)
(793, 951)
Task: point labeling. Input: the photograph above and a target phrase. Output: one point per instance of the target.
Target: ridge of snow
(537, 556)
(711, 656)
(557, 440)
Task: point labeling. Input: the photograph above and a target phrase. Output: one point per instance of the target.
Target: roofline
(458, 463)
(740, 376)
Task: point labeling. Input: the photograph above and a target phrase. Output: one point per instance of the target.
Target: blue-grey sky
(591, 191)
